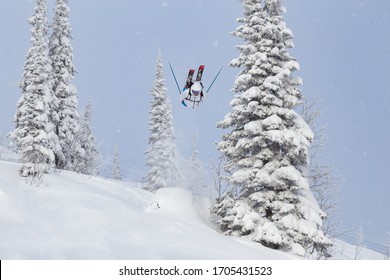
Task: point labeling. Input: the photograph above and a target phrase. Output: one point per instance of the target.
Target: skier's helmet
(196, 88)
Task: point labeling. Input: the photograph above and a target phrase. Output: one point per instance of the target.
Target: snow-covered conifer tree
(88, 163)
(117, 167)
(33, 135)
(267, 149)
(196, 174)
(64, 107)
(161, 156)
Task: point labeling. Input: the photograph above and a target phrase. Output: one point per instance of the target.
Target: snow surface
(72, 216)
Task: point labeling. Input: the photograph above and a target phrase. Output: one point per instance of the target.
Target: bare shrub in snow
(323, 179)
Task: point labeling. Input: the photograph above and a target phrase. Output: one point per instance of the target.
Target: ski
(189, 79)
(200, 73)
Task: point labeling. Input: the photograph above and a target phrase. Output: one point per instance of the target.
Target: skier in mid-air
(193, 90)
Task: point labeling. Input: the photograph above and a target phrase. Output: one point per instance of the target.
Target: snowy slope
(71, 216)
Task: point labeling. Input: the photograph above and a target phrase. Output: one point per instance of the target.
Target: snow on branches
(47, 123)
(161, 156)
(65, 115)
(33, 135)
(267, 149)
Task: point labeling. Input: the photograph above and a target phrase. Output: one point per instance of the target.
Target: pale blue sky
(342, 47)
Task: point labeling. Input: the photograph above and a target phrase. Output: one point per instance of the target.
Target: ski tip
(201, 66)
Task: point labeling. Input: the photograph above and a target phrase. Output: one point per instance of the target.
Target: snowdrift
(72, 216)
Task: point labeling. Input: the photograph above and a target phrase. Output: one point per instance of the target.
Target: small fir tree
(65, 102)
(196, 176)
(33, 135)
(117, 167)
(267, 149)
(161, 156)
(88, 163)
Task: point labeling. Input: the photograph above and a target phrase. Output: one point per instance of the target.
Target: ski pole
(174, 76)
(214, 79)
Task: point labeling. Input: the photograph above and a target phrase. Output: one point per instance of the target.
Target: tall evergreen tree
(117, 167)
(161, 156)
(32, 135)
(65, 102)
(88, 163)
(267, 148)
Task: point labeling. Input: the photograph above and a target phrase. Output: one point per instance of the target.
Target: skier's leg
(185, 93)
